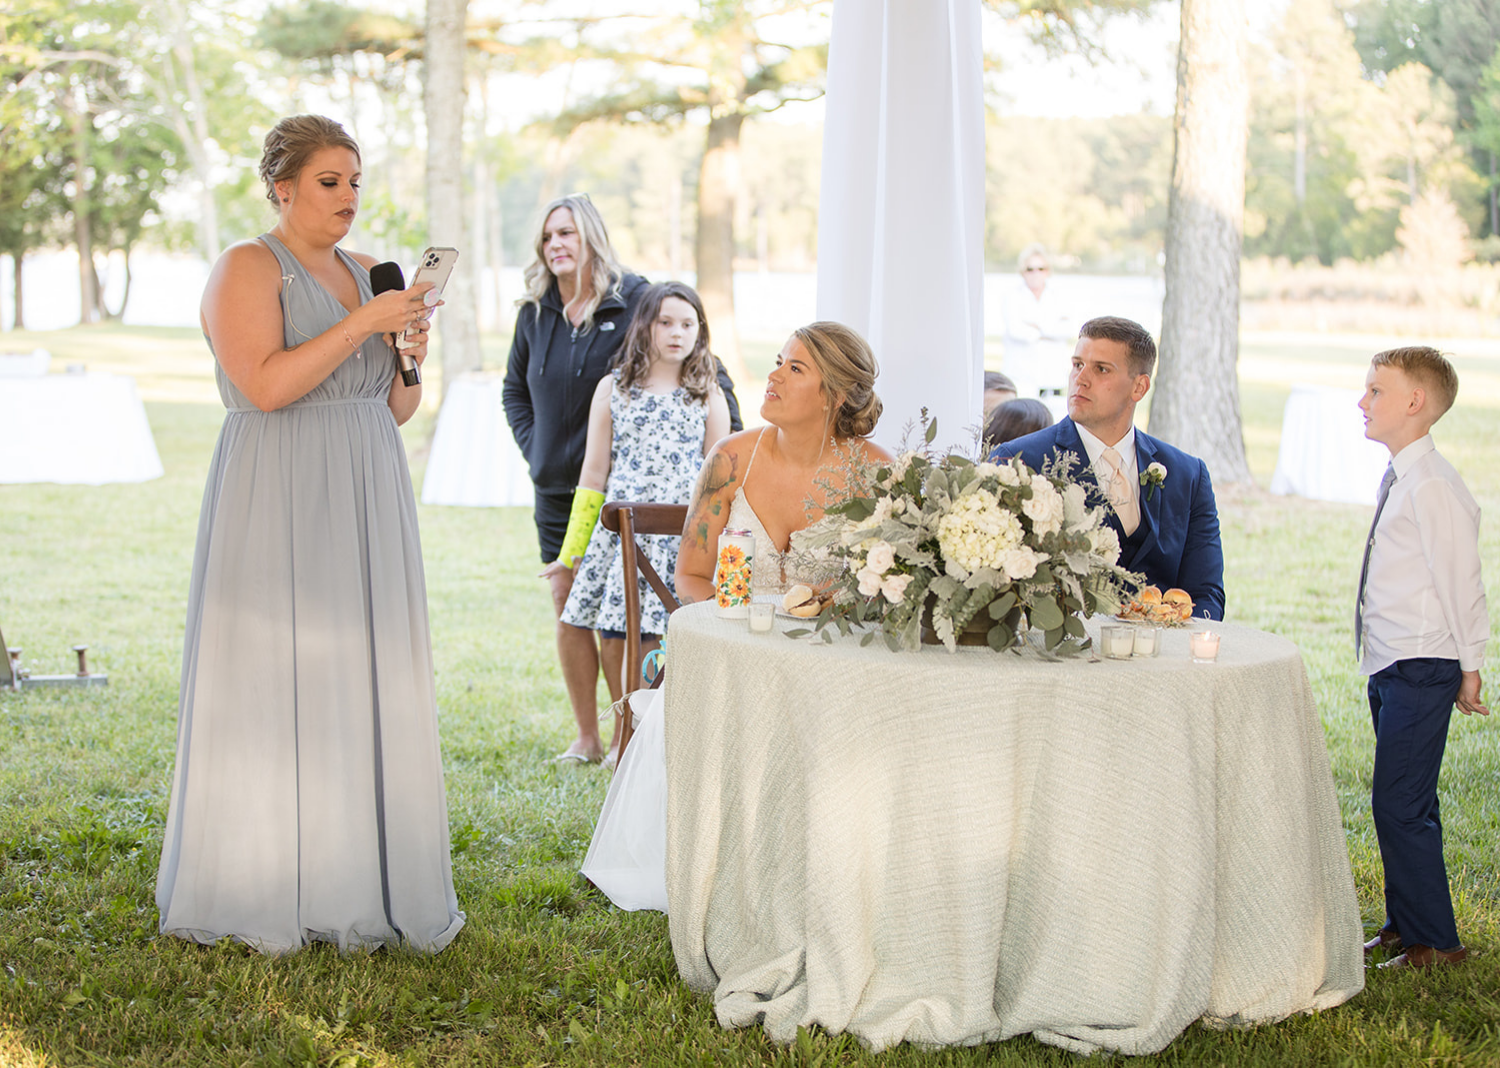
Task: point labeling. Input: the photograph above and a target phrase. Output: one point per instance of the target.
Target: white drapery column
(901, 206)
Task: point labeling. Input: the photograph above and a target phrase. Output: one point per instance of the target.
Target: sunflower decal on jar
(732, 573)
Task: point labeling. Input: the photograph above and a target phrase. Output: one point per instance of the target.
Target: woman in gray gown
(307, 802)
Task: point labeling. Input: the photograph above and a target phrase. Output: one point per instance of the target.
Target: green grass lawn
(547, 972)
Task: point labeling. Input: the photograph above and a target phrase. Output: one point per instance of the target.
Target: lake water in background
(166, 289)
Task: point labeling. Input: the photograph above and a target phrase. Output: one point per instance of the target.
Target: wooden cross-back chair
(629, 518)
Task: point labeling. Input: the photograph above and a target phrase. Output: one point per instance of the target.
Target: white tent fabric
(901, 209)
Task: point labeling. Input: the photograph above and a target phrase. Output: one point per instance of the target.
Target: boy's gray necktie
(1364, 568)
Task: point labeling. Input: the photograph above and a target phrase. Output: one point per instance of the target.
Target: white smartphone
(436, 266)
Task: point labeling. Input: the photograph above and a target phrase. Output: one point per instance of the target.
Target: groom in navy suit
(1169, 528)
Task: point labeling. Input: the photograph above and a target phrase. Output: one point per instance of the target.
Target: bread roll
(796, 596)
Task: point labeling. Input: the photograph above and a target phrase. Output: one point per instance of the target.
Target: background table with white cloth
(86, 429)
(959, 848)
(1324, 453)
(474, 459)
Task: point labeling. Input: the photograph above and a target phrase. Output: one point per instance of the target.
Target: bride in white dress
(820, 403)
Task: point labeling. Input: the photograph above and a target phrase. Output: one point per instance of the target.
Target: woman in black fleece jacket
(572, 322)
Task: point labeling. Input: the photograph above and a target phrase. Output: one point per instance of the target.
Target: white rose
(880, 557)
(894, 587)
(1044, 508)
(986, 469)
(869, 582)
(1021, 562)
(1009, 476)
(1156, 472)
(1105, 543)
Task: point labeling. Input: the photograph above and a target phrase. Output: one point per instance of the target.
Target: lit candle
(1145, 641)
(762, 616)
(1205, 646)
(1118, 642)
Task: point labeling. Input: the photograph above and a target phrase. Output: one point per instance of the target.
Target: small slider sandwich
(1153, 606)
(806, 602)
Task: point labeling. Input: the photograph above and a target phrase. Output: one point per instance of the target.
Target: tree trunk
(1299, 165)
(1196, 404)
(116, 316)
(718, 187)
(88, 289)
(443, 103)
(1494, 201)
(192, 129)
(18, 258)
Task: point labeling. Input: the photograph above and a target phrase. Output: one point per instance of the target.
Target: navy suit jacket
(1180, 544)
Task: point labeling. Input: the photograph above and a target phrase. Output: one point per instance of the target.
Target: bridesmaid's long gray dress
(308, 800)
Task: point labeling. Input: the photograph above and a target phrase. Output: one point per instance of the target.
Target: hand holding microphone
(437, 264)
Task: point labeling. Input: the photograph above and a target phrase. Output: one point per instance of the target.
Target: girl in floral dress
(650, 424)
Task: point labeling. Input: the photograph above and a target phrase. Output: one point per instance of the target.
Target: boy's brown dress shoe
(1426, 957)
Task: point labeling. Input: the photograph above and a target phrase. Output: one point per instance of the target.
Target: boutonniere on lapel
(1152, 477)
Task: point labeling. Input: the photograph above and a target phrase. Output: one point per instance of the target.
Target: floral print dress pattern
(656, 454)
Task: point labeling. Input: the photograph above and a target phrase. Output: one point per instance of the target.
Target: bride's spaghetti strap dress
(307, 802)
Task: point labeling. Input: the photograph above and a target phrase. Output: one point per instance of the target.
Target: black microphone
(387, 276)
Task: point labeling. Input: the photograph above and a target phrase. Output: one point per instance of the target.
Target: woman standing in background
(579, 301)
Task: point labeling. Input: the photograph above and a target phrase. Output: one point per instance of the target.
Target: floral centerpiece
(957, 545)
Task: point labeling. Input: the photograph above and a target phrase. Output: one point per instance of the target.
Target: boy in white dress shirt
(1420, 631)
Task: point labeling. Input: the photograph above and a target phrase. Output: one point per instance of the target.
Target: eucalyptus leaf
(1046, 615)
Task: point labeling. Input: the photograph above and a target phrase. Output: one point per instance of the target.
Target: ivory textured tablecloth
(959, 848)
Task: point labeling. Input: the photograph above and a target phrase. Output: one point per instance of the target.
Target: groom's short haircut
(1135, 337)
(1428, 368)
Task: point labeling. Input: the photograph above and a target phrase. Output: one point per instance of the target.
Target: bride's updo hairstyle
(292, 142)
(848, 368)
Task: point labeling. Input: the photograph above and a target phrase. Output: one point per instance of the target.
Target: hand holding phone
(436, 266)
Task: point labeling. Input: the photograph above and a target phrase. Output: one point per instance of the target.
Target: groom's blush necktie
(1120, 495)
(1364, 568)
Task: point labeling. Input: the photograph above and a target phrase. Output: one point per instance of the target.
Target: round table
(961, 847)
(80, 429)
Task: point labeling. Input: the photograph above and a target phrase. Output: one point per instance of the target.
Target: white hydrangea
(1045, 508)
(1009, 476)
(880, 558)
(883, 509)
(986, 469)
(978, 532)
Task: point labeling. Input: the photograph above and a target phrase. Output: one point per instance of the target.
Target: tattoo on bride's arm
(717, 473)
